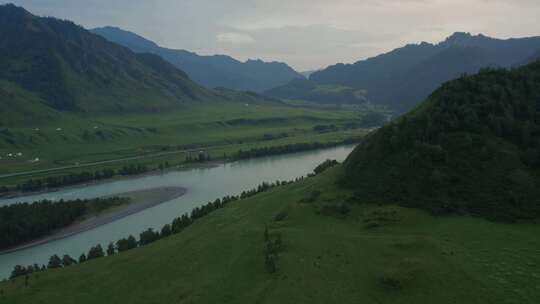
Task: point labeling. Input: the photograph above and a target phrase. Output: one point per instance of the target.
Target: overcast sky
(307, 34)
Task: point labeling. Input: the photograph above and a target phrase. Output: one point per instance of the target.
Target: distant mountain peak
(129, 39)
(465, 39)
(209, 70)
(407, 75)
(12, 15)
(458, 38)
(13, 8)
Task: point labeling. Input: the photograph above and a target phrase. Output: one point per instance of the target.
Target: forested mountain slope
(473, 146)
(71, 69)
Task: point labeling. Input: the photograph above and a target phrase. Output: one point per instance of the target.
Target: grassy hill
(226, 127)
(406, 76)
(373, 254)
(473, 146)
(21, 107)
(211, 71)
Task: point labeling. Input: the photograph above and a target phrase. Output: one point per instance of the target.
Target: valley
(202, 184)
(155, 139)
(164, 152)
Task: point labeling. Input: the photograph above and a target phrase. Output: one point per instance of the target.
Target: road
(91, 164)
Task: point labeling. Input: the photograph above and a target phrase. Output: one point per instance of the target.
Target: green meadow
(222, 129)
(372, 254)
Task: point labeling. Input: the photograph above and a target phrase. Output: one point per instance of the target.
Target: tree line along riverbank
(33, 185)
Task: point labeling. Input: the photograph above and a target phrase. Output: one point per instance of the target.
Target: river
(203, 185)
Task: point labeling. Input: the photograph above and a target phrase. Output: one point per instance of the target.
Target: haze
(305, 34)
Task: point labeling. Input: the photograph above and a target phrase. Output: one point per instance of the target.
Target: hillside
(371, 254)
(472, 147)
(303, 89)
(406, 76)
(50, 66)
(211, 71)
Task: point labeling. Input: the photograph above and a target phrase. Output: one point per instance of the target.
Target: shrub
(312, 197)
(390, 281)
(337, 210)
(325, 165)
(281, 216)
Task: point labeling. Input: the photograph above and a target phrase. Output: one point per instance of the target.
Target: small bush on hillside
(340, 210)
(273, 246)
(390, 281)
(325, 166)
(381, 217)
(312, 197)
(281, 216)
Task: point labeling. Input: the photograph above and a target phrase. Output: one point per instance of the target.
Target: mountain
(210, 71)
(404, 77)
(303, 89)
(472, 147)
(69, 69)
(49, 66)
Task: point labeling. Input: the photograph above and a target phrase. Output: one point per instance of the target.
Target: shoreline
(19, 194)
(184, 167)
(141, 200)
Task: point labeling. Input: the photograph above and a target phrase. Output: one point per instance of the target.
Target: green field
(220, 128)
(376, 254)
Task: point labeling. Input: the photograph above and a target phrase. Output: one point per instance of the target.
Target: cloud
(234, 38)
(303, 45)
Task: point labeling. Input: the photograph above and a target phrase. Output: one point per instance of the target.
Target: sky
(306, 34)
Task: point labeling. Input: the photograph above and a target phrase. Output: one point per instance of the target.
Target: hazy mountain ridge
(401, 78)
(211, 71)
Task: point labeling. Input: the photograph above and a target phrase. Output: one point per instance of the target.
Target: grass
(407, 256)
(222, 129)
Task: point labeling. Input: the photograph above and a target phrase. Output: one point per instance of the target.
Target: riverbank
(76, 174)
(203, 186)
(139, 201)
(263, 151)
(182, 167)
